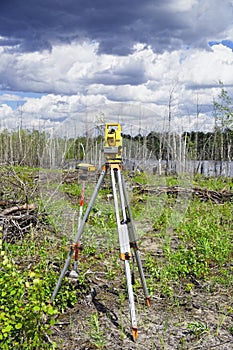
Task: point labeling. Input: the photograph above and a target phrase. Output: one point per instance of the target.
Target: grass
(200, 245)
(191, 242)
(96, 334)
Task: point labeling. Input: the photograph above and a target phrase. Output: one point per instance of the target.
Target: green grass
(213, 183)
(202, 248)
(194, 240)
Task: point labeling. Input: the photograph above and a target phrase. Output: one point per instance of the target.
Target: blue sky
(19, 97)
(65, 65)
(227, 43)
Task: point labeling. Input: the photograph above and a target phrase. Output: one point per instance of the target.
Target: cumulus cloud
(69, 61)
(144, 77)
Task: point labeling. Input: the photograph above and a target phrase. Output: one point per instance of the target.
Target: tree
(223, 112)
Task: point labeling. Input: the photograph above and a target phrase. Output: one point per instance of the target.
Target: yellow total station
(113, 142)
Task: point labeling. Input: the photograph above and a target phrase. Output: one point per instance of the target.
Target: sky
(66, 66)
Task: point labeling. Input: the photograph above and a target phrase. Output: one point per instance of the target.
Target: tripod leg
(125, 254)
(133, 241)
(79, 232)
(131, 300)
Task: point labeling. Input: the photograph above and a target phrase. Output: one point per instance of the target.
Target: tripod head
(113, 143)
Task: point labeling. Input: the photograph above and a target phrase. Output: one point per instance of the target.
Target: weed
(26, 316)
(89, 248)
(223, 317)
(72, 189)
(122, 297)
(162, 335)
(96, 335)
(231, 329)
(198, 328)
(111, 273)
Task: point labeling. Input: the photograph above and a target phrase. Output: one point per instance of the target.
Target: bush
(25, 316)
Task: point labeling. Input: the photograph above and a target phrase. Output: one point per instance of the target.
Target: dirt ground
(199, 319)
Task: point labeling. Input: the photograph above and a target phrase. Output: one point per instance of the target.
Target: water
(204, 167)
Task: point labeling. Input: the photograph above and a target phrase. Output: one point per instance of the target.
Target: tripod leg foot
(73, 274)
(135, 333)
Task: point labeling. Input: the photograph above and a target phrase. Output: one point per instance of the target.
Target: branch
(15, 208)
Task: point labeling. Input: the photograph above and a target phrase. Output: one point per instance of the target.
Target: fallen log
(217, 197)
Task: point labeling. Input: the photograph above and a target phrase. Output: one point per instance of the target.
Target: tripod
(126, 233)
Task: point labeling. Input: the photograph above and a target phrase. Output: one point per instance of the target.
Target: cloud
(79, 80)
(66, 62)
(115, 26)
(79, 69)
